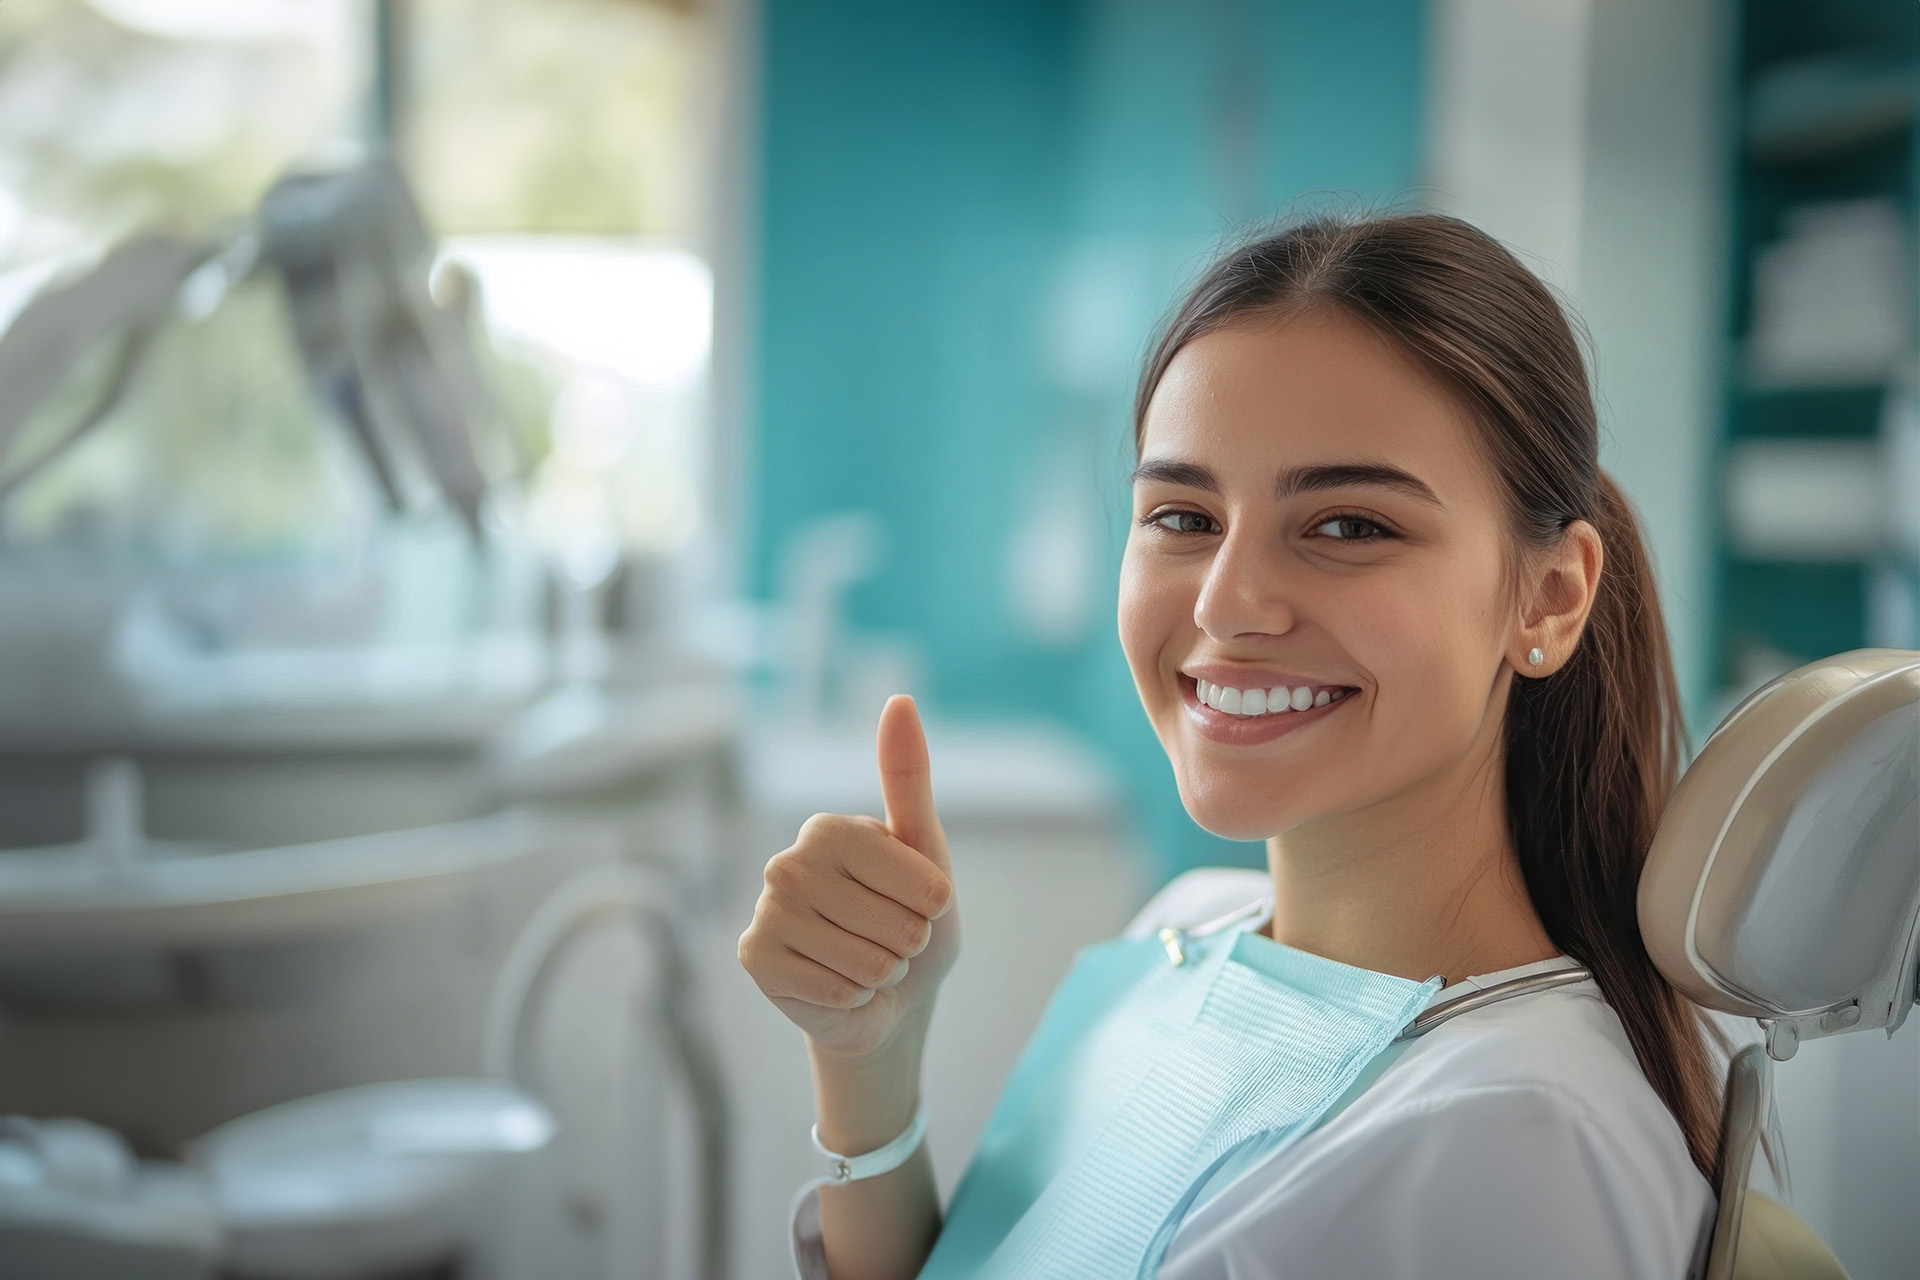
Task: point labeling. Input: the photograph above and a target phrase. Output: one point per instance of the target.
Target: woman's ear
(1559, 592)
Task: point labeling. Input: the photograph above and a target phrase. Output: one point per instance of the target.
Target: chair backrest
(1784, 885)
(1784, 882)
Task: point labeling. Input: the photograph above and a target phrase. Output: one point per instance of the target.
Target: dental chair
(1784, 886)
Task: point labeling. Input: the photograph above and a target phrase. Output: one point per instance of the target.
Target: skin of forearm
(877, 1228)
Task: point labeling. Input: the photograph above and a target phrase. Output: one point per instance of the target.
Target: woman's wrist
(864, 1101)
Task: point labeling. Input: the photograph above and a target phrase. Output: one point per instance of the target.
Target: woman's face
(1315, 521)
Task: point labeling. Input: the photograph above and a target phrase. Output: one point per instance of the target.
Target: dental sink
(119, 919)
(208, 915)
(229, 857)
(118, 887)
(186, 897)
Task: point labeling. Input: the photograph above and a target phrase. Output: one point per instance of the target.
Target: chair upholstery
(1776, 1245)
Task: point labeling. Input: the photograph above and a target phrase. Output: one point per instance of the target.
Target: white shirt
(1516, 1140)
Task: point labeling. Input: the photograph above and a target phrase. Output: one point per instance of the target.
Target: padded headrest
(1784, 882)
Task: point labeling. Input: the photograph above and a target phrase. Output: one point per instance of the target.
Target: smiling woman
(1385, 613)
(1407, 414)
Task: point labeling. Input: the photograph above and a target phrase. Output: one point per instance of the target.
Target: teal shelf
(1766, 192)
(1804, 610)
(1825, 413)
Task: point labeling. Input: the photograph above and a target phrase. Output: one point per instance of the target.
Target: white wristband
(841, 1169)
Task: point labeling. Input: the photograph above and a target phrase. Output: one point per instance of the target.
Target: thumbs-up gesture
(856, 925)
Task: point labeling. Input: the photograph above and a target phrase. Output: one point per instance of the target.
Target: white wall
(1588, 138)
(1506, 120)
(1653, 264)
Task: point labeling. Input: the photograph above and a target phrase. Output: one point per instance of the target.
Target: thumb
(906, 781)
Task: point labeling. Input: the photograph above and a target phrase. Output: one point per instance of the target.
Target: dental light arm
(394, 366)
(128, 296)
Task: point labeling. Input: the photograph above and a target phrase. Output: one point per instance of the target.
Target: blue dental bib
(1155, 1063)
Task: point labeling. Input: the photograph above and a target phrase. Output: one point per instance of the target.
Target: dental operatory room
(552, 550)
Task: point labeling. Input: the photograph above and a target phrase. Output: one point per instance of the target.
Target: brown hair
(1592, 750)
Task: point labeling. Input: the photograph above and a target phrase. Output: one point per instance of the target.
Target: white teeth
(1259, 702)
(1263, 702)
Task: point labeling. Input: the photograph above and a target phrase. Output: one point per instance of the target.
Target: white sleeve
(1510, 1180)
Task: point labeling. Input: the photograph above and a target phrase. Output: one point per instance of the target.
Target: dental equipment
(374, 1180)
(590, 901)
(1784, 885)
(396, 367)
(130, 294)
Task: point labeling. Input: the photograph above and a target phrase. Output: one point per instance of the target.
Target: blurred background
(471, 471)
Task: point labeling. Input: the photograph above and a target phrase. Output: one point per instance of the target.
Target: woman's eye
(1185, 522)
(1349, 529)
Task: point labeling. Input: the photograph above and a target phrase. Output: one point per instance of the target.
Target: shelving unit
(1825, 114)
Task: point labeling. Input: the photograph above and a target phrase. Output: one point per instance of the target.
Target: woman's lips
(1247, 731)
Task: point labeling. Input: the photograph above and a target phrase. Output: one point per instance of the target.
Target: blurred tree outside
(569, 117)
(117, 115)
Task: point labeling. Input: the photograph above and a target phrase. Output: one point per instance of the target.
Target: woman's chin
(1243, 831)
(1232, 816)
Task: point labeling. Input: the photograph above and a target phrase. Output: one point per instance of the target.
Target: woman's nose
(1244, 593)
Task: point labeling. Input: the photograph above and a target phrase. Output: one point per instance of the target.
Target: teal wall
(971, 215)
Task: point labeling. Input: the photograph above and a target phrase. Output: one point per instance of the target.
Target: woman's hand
(856, 926)
(852, 935)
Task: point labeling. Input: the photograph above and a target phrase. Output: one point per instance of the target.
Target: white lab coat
(1517, 1140)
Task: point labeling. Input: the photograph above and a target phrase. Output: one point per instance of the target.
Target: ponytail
(1593, 749)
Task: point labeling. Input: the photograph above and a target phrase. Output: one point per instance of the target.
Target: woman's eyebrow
(1294, 480)
(1298, 480)
(1189, 475)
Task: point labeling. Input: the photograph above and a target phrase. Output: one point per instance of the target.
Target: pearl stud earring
(1535, 657)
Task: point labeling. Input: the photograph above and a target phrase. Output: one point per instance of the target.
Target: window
(556, 148)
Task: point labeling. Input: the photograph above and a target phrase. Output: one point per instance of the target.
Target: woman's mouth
(1248, 716)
